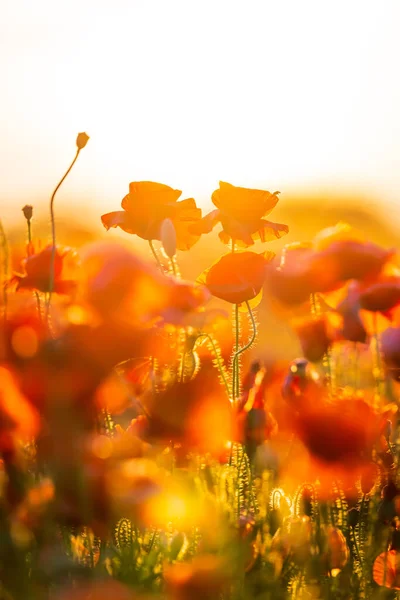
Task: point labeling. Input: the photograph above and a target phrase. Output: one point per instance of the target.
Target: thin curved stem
(153, 250)
(218, 359)
(235, 375)
(239, 351)
(53, 231)
(39, 308)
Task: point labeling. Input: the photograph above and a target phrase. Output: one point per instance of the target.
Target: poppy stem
(377, 362)
(218, 358)
(235, 363)
(39, 308)
(239, 351)
(153, 250)
(53, 232)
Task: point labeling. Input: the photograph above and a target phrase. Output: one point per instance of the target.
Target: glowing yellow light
(24, 341)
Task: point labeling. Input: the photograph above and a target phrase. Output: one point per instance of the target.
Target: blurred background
(300, 97)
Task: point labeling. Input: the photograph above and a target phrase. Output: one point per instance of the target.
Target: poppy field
(150, 451)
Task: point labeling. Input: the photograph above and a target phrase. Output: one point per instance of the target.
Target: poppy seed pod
(28, 212)
(81, 140)
(168, 237)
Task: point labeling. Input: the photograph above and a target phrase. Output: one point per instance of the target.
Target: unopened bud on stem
(82, 140)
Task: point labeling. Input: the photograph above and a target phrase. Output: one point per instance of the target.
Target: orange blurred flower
(122, 287)
(299, 275)
(337, 255)
(237, 277)
(315, 336)
(390, 347)
(37, 271)
(386, 569)
(205, 577)
(19, 421)
(96, 590)
(145, 208)
(339, 433)
(187, 413)
(240, 212)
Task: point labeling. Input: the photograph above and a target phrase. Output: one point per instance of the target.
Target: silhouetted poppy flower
(386, 569)
(204, 577)
(237, 277)
(146, 207)
(352, 328)
(343, 432)
(381, 295)
(314, 335)
(186, 413)
(390, 347)
(37, 271)
(350, 259)
(299, 275)
(240, 212)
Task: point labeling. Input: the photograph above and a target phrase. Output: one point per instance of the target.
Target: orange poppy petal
(149, 193)
(237, 277)
(207, 223)
(244, 204)
(121, 219)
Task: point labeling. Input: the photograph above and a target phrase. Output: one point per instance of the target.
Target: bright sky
(280, 94)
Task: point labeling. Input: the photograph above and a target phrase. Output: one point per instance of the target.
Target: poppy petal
(119, 218)
(150, 193)
(207, 223)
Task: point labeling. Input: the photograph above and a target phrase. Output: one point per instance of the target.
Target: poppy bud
(28, 212)
(81, 140)
(168, 237)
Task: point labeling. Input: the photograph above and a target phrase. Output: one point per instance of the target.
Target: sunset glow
(277, 94)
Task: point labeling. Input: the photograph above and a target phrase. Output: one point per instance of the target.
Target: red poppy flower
(237, 277)
(145, 208)
(390, 347)
(240, 212)
(121, 286)
(352, 328)
(299, 275)
(37, 271)
(19, 421)
(386, 569)
(187, 413)
(341, 433)
(382, 295)
(314, 335)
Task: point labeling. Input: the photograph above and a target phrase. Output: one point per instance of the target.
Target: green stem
(240, 351)
(174, 267)
(156, 256)
(218, 359)
(39, 308)
(235, 363)
(53, 231)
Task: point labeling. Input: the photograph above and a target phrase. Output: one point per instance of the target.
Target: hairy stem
(53, 231)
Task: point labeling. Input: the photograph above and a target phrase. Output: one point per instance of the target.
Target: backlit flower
(237, 277)
(314, 335)
(121, 286)
(147, 206)
(204, 577)
(37, 267)
(386, 569)
(188, 413)
(390, 347)
(240, 212)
